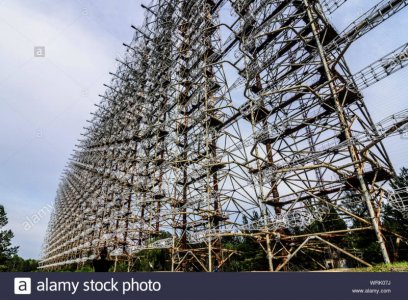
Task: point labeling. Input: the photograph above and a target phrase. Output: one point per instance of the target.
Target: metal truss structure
(213, 117)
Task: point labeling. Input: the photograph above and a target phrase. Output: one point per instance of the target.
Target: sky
(45, 101)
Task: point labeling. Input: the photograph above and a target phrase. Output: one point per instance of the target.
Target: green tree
(309, 258)
(361, 243)
(6, 250)
(249, 255)
(366, 242)
(18, 264)
(395, 222)
(151, 260)
(401, 180)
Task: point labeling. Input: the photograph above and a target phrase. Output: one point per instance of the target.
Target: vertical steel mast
(219, 127)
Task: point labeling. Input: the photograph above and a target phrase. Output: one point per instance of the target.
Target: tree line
(249, 256)
(9, 260)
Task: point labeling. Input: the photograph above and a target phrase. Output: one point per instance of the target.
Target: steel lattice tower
(213, 118)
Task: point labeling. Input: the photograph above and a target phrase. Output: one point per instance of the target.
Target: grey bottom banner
(210, 286)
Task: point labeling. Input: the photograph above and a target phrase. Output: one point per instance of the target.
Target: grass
(395, 267)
